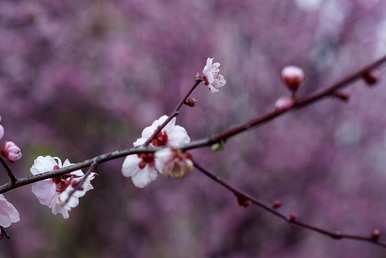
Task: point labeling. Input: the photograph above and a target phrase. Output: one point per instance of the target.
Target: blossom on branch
(173, 162)
(142, 168)
(171, 135)
(11, 151)
(8, 213)
(212, 77)
(54, 192)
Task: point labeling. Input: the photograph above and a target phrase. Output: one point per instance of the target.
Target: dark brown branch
(245, 199)
(11, 176)
(174, 113)
(3, 233)
(220, 137)
(299, 104)
(80, 184)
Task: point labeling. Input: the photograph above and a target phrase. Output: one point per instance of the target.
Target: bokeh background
(79, 78)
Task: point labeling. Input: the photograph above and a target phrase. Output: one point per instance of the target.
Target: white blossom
(212, 77)
(173, 162)
(54, 192)
(171, 135)
(142, 168)
(8, 213)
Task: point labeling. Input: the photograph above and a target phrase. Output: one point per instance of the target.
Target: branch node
(369, 78)
(344, 97)
(277, 204)
(375, 234)
(243, 200)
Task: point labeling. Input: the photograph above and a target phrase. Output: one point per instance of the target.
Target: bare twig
(174, 113)
(245, 199)
(11, 176)
(80, 184)
(220, 137)
(3, 233)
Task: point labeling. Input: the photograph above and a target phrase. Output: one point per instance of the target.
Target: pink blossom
(55, 192)
(293, 76)
(284, 103)
(8, 213)
(11, 151)
(212, 77)
(142, 168)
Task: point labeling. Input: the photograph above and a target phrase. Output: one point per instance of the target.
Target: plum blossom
(212, 77)
(171, 135)
(8, 213)
(142, 168)
(293, 77)
(11, 151)
(54, 192)
(173, 162)
(284, 103)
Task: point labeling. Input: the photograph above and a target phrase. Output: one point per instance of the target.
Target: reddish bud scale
(277, 204)
(293, 77)
(161, 139)
(243, 201)
(292, 217)
(375, 234)
(191, 102)
(369, 78)
(146, 159)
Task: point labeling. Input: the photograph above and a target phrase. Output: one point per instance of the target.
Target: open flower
(8, 213)
(212, 77)
(54, 192)
(173, 162)
(142, 168)
(171, 135)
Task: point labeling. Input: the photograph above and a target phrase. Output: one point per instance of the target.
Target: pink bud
(11, 151)
(293, 76)
(1, 132)
(284, 103)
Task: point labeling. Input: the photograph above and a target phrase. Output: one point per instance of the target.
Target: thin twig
(174, 113)
(11, 176)
(80, 184)
(244, 199)
(4, 233)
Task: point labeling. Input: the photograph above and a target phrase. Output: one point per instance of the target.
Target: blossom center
(146, 159)
(161, 139)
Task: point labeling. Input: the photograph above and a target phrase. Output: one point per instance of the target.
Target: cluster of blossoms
(62, 193)
(8, 212)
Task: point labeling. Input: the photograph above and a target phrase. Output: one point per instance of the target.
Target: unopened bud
(292, 217)
(11, 151)
(191, 102)
(277, 204)
(369, 78)
(243, 200)
(293, 77)
(284, 103)
(375, 234)
(218, 146)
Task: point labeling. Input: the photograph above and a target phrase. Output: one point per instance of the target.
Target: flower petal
(144, 177)
(130, 166)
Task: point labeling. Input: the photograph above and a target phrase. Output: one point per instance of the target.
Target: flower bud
(293, 77)
(191, 102)
(11, 151)
(284, 103)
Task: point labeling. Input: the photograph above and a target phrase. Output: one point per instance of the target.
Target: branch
(174, 113)
(245, 200)
(220, 137)
(11, 176)
(299, 104)
(3, 233)
(80, 184)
